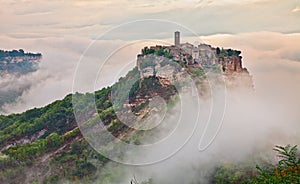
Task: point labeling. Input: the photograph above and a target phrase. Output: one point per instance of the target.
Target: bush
(286, 171)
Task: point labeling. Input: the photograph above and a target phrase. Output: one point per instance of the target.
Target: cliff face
(234, 73)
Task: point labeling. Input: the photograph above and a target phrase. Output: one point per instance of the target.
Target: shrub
(286, 171)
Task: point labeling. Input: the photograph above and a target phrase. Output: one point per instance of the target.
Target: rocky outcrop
(227, 63)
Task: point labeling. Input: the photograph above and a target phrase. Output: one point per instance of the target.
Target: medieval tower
(177, 38)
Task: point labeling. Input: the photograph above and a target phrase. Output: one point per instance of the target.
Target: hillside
(40, 137)
(45, 145)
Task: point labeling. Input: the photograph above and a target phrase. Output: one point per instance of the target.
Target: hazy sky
(88, 18)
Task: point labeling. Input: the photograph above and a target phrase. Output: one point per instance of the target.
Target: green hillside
(45, 144)
(48, 138)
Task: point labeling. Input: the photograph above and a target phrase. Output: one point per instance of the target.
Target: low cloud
(295, 10)
(252, 126)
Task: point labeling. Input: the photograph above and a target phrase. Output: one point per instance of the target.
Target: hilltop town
(202, 54)
(204, 57)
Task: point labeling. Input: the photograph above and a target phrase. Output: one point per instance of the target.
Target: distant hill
(13, 65)
(17, 62)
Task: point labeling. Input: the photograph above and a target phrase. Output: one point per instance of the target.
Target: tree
(287, 169)
(160, 52)
(218, 51)
(237, 52)
(21, 51)
(229, 52)
(53, 140)
(288, 155)
(145, 50)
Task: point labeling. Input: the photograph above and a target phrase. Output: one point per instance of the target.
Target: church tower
(177, 39)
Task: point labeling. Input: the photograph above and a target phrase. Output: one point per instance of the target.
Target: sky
(45, 19)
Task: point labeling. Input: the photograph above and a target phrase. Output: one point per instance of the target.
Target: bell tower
(177, 39)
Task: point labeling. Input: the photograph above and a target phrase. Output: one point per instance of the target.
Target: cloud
(297, 9)
(54, 78)
(88, 18)
(14, 87)
(271, 59)
(251, 127)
